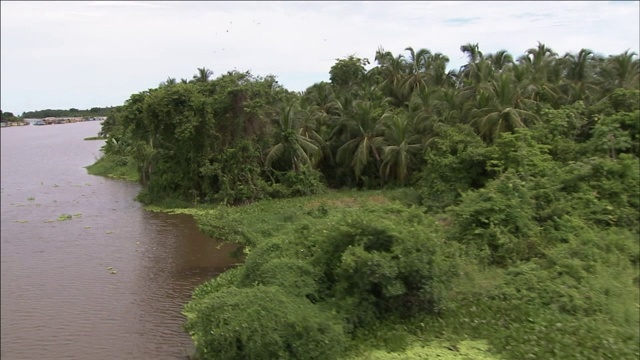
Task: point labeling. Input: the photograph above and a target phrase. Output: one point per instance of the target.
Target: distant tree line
(8, 116)
(73, 112)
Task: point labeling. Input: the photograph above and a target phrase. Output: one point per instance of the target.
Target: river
(107, 284)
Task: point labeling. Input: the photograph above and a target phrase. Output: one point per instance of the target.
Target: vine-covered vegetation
(514, 219)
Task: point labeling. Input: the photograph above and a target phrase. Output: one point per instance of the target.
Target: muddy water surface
(107, 284)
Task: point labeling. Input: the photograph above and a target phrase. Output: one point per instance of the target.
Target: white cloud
(84, 54)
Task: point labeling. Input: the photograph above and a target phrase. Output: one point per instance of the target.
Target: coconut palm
(437, 71)
(500, 107)
(393, 71)
(401, 147)
(312, 125)
(290, 145)
(624, 70)
(449, 105)
(500, 61)
(472, 51)
(579, 74)
(422, 108)
(416, 65)
(360, 135)
(319, 94)
(203, 75)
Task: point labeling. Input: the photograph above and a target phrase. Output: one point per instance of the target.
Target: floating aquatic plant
(64, 217)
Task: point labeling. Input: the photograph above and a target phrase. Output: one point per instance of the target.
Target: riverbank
(115, 167)
(556, 304)
(267, 225)
(502, 312)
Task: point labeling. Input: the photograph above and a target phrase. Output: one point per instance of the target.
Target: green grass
(115, 167)
(464, 350)
(248, 224)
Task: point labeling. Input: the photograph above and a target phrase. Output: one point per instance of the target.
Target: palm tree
(298, 149)
(472, 51)
(623, 70)
(393, 72)
(540, 73)
(400, 148)
(437, 71)
(203, 75)
(416, 66)
(422, 108)
(449, 105)
(359, 132)
(500, 60)
(312, 126)
(579, 73)
(169, 81)
(500, 107)
(319, 94)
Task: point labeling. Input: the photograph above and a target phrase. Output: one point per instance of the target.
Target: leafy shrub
(379, 263)
(279, 263)
(575, 303)
(261, 323)
(454, 163)
(297, 183)
(497, 221)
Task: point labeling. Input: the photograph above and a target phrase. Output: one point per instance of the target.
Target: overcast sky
(61, 55)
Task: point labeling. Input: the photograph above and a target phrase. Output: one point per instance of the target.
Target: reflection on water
(60, 299)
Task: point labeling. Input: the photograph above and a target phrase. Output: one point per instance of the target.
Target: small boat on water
(39, 122)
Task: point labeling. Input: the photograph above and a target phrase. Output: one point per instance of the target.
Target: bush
(497, 221)
(385, 262)
(454, 163)
(261, 323)
(279, 263)
(297, 183)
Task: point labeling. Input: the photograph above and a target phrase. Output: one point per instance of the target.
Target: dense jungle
(404, 210)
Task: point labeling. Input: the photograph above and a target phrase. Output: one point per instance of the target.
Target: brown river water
(59, 299)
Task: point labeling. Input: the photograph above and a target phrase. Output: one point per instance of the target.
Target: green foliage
(498, 221)
(386, 261)
(529, 165)
(348, 71)
(235, 175)
(617, 133)
(624, 100)
(575, 303)
(8, 116)
(114, 166)
(297, 183)
(261, 323)
(465, 350)
(94, 111)
(602, 191)
(561, 129)
(454, 163)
